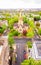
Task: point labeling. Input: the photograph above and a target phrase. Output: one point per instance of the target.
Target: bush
(39, 31)
(29, 43)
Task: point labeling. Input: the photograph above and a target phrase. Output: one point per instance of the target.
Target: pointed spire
(20, 20)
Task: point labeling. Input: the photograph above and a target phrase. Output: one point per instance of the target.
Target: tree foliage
(3, 28)
(31, 61)
(25, 19)
(39, 31)
(29, 44)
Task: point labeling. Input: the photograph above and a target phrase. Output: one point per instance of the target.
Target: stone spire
(20, 23)
(20, 20)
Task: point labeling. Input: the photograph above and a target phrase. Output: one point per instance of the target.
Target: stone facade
(5, 51)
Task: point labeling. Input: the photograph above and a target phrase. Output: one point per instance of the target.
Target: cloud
(37, 1)
(12, 4)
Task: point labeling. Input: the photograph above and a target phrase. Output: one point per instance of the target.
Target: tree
(39, 62)
(29, 44)
(31, 23)
(30, 32)
(30, 15)
(16, 18)
(30, 61)
(40, 13)
(24, 32)
(7, 15)
(3, 28)
(39, 31)
(25, 20)
(14, 32)
(11, 43)
(37, 24)
(36, 18)
(11, 21)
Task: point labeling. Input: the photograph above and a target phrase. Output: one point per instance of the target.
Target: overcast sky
(13, 4)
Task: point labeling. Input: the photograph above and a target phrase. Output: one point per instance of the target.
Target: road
(20, 47)
(20, 50)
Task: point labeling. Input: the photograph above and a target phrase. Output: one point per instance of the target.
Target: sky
(14, 4)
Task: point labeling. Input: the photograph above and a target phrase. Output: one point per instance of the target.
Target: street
(20, 47)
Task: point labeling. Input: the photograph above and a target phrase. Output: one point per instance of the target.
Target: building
(4, 51)
(36, 49)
